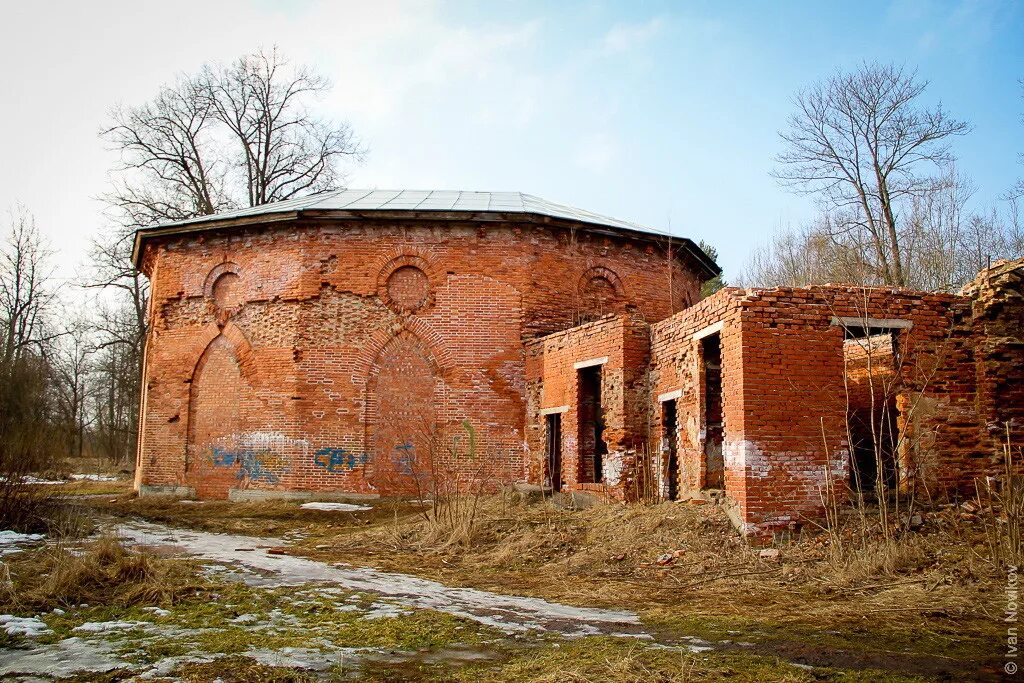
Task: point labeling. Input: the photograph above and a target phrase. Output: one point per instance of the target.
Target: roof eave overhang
(711, 268)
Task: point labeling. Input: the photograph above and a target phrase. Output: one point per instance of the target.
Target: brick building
(771, 400)
(362, 343)
(356, 342)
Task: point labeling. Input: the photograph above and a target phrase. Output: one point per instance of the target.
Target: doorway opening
(553, 476)
(592, 447)
(669, 438)
(869, 359)
(714, 460)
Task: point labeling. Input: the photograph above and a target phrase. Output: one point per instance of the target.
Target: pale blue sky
(662, 113)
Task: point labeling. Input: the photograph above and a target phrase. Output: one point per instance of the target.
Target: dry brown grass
(608, 555)
(103, 572)
(934, 583)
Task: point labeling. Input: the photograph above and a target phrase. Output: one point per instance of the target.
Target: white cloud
(626, 37)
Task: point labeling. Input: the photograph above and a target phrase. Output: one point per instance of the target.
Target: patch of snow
(42, 482)
(11, 541)
(336, 507)
(509, 613)
(23, 626)
(383, 610)
(245, 619)
(158, 611)
(165, 666)
(108, 626)
(301, 658)
(94, 477)
(61, 659)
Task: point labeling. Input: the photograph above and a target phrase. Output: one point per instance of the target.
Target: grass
(616, 660)
(104, 572)
(929, 595)
(264, 518)
(238, 669)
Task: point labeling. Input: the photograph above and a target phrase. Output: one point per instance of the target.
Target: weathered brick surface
(620, 346)
(948, 367)
(344, 355)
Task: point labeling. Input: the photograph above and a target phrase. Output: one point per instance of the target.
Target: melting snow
(94, 477)
(61, 659)
(108, 626)
(337, 507)
(11, 541)
(37, 480)
(509, 613)
(23, 626)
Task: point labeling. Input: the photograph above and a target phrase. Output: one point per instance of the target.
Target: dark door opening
(870, 360)
(553, 476)
(873, 440)
(669, 436)
(592, 447)
(714, 461)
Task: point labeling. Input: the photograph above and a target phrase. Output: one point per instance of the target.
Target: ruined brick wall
(619, 346)
(676, 360)
(786, 400)
(998, 315)
(345, 355)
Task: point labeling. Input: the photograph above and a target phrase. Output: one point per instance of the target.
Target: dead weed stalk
(1001, 503)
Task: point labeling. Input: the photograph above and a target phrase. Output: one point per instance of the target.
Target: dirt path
(256, 566)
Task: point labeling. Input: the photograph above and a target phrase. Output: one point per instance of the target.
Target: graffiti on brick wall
(252, 464)
(261, 457)
(336, 460)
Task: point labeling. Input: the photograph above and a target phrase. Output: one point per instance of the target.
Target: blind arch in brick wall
(405, 407)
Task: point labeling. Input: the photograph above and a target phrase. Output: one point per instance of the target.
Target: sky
(665, 114)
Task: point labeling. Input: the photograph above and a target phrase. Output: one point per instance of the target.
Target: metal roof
(419, 202)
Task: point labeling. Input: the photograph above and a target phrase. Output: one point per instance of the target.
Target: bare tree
(864, 145)
(943, 244)
(230, 136)
(115, 381)
(27, 298)
(169, 167)
(26, 292)
(283, 150)
(71, 382)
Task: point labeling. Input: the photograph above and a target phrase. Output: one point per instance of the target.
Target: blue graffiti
(339, 459)
(250, 464)
(404, 458)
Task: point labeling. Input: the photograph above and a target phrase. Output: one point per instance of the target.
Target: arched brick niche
(214, 415)
(404, 397)
(599, 292)
(220, 410)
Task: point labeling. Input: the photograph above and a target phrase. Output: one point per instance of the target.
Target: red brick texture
(798, 368)
(344, 355)
(619, 346)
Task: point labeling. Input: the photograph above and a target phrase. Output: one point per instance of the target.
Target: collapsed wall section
(796, 364)
(683, 350)
(588, 405)
(997, 296)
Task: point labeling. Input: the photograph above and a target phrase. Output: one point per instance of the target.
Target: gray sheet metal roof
(417, 201)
